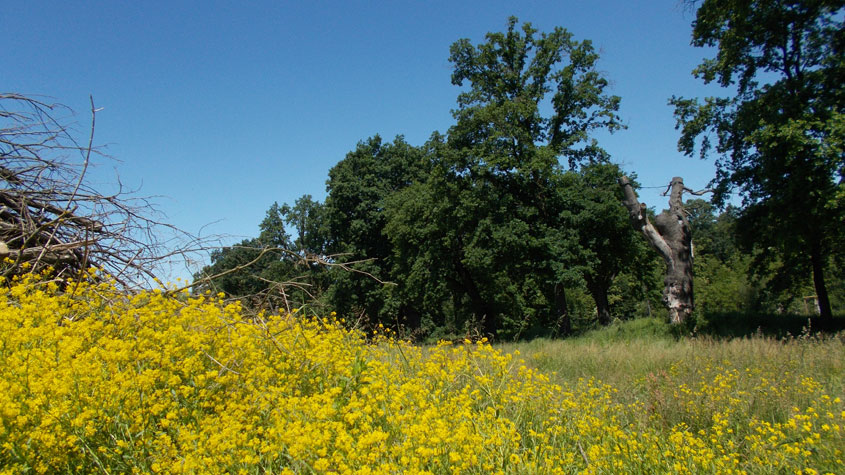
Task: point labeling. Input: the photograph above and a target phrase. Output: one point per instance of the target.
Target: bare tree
(50, 214)
(671, 237)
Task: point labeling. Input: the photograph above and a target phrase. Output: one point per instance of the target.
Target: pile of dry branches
(49, 213)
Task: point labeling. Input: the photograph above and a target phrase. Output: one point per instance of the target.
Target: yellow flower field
(94, 381)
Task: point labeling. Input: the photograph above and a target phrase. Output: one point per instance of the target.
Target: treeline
(509, 224)
(442, 251)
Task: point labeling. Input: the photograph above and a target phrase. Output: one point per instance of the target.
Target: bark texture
(670, 236)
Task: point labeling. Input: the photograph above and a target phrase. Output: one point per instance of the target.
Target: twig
(222, 366)
(583, 454)
(45, 201)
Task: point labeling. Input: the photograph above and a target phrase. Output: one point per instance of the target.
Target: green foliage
(779, 139)
(485, 243)
(732, 302)
(273, 270)
(247, 254)
(604, 245)
(482, 230)
(636, 291)
(511, 224)
(359, 187)
(308, 218)
(723, 278)
(713, 234)
(510, 76)
(721, 271)
(723, 286)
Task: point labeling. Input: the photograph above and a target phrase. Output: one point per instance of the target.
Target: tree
(358, 188)
(493, 210)
(273, 270)
(237, 270)
(307, 218)
(248, 269)
(671, 237)
(511, 76)
(780, 140)
(605, 245)
(424, 235)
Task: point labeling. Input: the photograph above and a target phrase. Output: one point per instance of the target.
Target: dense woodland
(510, 223)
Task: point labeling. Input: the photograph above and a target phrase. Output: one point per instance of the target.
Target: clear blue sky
(222, 108)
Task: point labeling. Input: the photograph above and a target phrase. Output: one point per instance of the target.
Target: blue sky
(221, 108)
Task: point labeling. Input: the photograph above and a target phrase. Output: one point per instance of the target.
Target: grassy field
(625, 354)
(93, 381)
(691, 381)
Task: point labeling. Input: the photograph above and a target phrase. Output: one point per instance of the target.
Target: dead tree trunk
(670, 236)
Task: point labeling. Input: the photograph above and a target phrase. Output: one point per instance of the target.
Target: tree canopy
(511, 76)
(484, 228)
(489, 232)
(359, 187)
(511, 223)
(779, 139)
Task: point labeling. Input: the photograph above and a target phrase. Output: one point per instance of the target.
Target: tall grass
(646, 363)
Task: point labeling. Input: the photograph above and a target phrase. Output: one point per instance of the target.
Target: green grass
(647, 363)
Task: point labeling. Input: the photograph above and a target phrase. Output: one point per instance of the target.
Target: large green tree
(780, 139)
(605, 245)
(358, 188)
(492, 214)
(501, 126)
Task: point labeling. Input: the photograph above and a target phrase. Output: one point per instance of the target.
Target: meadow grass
(645, 361)
(95, 381)
(629, 351)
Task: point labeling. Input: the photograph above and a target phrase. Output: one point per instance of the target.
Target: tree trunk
(670, 236)
(599, 293)
(817, 260)
(645, 296)
(564, 323)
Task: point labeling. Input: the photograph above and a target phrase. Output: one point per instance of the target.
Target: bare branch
(50, 215)
(639, 220)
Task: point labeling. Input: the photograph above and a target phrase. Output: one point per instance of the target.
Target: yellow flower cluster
(92, 380)
(745, 417)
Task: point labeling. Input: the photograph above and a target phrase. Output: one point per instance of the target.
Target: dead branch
(50, 215)
(299, 259)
